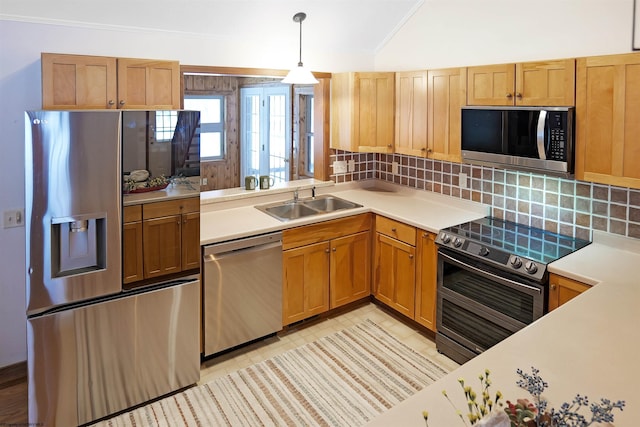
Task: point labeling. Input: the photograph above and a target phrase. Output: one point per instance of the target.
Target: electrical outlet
(394, 168)
(462, 180)
(13, 218)
(204, 181)
(339, 167)
(352, 166)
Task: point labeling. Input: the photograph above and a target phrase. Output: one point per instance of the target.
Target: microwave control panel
(557, 137)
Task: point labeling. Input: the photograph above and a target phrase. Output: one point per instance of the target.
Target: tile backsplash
(565, 206)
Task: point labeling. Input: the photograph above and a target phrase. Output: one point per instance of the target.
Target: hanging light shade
(300, 75)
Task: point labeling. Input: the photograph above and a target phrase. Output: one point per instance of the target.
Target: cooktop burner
(509, 244)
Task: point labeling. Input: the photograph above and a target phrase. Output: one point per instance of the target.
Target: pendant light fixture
(300, 75)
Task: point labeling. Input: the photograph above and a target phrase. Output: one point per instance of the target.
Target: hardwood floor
(13, 395)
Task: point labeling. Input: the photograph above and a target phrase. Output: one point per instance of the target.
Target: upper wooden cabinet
(411, 113)
(146, 84)
(362, 112)
(608, 119)
(78, 81)
(97, 82)
(447, 94)
(540, 83)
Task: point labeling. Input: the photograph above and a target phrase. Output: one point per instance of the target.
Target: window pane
(210, 144)
(210, 108)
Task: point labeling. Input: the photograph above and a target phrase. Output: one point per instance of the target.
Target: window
(265, 132)
(211, 109)
(165, 125)
(309, 135)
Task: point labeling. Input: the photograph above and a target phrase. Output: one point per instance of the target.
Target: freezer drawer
(97, 359)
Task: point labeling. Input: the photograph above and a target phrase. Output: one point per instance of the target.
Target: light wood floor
(13, 381)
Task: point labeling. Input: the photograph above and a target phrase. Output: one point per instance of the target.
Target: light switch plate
(13, 218)
(339, 166)
(352, 166)
(394, 168)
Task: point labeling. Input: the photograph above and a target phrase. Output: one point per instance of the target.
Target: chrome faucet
(295, 195)
(313, 192)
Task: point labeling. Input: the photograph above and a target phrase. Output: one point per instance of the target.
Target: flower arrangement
(525, 413)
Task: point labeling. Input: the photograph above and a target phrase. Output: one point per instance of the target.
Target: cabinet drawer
(323, 231)
(398, 230)
(132, 213)
(170, 207)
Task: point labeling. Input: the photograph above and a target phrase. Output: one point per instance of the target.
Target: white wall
(442, 33)
(450, 33)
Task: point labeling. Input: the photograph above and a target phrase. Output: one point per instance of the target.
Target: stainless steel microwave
(535, 139)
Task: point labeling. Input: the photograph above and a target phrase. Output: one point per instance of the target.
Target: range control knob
(484, 251)
(531, 267)
(516, 262)
(457, 242)
(445, 238)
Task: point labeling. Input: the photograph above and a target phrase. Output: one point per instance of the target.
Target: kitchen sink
(301, 208)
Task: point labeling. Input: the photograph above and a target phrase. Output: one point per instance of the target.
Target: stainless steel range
(492, 281)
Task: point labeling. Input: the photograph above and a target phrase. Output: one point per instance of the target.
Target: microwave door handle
(542, 121)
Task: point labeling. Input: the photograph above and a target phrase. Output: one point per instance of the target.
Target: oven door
(479, 305)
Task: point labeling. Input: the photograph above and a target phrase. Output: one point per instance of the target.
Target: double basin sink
(302, 208)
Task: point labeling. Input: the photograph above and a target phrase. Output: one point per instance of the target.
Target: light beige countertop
(590, 345)
(173, 191)
(232, 218)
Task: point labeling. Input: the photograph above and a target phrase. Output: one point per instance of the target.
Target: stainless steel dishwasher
(242, 291)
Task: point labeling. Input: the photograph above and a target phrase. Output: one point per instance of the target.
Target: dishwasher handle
(263, 242)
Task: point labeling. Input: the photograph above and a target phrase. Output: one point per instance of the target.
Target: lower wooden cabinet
(161, 238)
(306, 282)
(325, 265)
(426, 280)
(563, 289)
(394, 265)
(350, 278)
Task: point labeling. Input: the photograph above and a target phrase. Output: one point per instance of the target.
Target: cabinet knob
(553, 287)
(410, 256)
(121, 102)
(393, 230)
(333, 249)
(326, 251)
(518, 95)
(389, 145)
(111, 103)
(509, 95)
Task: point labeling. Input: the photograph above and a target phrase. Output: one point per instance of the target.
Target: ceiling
(361, 26)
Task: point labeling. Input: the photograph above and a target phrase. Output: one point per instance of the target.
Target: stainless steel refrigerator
(94, 349)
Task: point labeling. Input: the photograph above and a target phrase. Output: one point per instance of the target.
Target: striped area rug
(344, 379)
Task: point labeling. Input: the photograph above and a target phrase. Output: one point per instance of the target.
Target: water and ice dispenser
(78, 244)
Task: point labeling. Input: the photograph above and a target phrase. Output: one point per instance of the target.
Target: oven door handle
(487, 274)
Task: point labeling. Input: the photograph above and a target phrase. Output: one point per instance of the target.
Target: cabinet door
(148, 84)
(491, 85)
(162, 246)
(305, 284)
(411, 113)
(374, 94)
(562, 289)
(350, 274)
(426, 280)
(132, 252)
(394, 282)
(190, 241)
(607, 124)
(78, 81)
(447, 95)
(547, 83)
